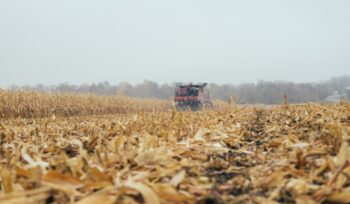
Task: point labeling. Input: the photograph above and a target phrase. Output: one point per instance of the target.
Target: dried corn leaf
(147, 193)
(340, 197)
(66, 183)
(94, 199)
(177, 179)
(7, 180)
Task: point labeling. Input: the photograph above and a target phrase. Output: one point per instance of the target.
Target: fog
(86, 41)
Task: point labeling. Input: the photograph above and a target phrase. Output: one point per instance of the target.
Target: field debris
(281, 154)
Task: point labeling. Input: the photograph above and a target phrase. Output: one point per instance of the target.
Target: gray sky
(83, 41)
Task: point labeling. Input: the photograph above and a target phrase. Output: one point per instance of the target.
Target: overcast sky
(83, 41)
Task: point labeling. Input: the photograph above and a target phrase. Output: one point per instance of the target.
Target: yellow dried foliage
(30, 104)
(279, 154)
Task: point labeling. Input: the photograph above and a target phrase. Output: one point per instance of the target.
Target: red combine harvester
(192, 96)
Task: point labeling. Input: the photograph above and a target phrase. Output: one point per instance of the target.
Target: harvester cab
(191, 97)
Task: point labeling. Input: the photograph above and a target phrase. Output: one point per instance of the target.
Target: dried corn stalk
(279, 154)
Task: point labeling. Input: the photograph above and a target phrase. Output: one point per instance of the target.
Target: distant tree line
(247, 93)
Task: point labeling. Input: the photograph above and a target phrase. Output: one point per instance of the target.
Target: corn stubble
(280, 154)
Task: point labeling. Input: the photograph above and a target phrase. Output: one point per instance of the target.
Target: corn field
(30, 104)
(232, 154)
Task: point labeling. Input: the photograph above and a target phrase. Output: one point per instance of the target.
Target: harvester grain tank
(192, 97)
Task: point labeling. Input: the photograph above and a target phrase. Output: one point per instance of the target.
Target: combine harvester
(192, 97)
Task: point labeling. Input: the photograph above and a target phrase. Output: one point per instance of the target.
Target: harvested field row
(285, 154)
(29, 104)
